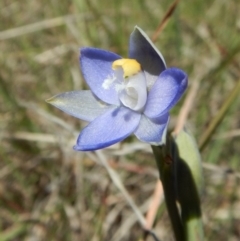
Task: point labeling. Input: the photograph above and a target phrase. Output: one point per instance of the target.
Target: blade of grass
(153, 207)
(34, 27)
(117, 181)
(12, 233)
(165, 20)
(219, 117)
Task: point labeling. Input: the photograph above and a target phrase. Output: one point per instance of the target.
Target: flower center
(129, 82)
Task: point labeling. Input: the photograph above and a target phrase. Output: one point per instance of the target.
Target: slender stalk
(165, 168)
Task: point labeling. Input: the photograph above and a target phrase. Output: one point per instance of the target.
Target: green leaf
(189, 184)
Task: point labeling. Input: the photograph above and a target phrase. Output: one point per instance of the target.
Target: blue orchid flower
(126, 95)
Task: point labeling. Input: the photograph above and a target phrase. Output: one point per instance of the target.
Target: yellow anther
(130, 66)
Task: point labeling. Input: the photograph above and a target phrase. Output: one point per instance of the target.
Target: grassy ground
(50, 192)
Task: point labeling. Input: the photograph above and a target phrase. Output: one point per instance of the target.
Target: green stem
(167, 177)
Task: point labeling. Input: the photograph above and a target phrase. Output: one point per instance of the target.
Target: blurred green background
(50, 192)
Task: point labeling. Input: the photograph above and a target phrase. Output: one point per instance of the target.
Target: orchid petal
(166, 92)
(96, 67)
(152, 131)
(81, 104)
(143, 50)
(108, 129)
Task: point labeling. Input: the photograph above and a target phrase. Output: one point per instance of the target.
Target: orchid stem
(167, 177)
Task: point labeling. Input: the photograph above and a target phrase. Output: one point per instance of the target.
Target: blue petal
(143, 50)
(153, 131)
(96, 65)
(166, 92)
(81, 104)
(108, 129)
